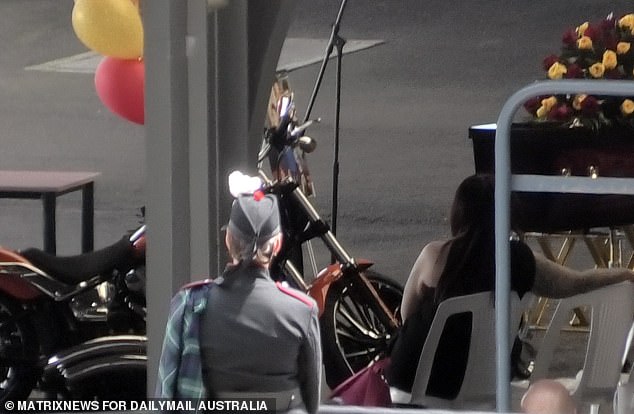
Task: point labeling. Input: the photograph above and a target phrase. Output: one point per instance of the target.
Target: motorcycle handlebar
(137, 234)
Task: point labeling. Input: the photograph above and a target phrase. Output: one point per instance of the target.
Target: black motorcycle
(55, 311)
(358, 307)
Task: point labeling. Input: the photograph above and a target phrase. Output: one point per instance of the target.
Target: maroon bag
(367, 387)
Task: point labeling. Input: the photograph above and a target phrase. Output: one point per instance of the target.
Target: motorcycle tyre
(336, 366)
(17, 382)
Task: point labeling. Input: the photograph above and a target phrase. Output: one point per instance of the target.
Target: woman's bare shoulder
(433, 248)
(431, 261)
(424, 275)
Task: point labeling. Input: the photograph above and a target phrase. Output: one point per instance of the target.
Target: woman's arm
(553, 280)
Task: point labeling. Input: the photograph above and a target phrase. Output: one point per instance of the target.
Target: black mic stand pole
(338, 42)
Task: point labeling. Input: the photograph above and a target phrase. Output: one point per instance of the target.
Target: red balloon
(120, 85)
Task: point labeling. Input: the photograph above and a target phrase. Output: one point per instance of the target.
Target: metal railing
(505, 182)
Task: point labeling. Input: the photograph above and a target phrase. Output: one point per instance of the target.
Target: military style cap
(255, 217)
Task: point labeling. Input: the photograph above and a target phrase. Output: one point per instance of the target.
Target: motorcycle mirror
(301, 128)
(307, 144)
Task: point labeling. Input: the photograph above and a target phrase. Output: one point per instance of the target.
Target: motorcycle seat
(76, 269)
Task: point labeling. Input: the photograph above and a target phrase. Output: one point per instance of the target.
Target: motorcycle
(358, 307)
(69, 309)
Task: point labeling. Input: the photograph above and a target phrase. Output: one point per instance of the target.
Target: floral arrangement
(600, 50)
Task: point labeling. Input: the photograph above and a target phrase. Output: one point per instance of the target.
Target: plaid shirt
(180, 372)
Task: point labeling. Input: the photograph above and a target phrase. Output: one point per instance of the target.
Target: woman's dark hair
(470, 260)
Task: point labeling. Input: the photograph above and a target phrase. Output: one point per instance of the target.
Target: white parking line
(296, 53)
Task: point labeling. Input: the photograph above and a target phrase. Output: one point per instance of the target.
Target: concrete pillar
(167, 133)
(209, 71)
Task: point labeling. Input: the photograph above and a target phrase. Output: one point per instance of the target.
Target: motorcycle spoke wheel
(352, 334)
(18, 353)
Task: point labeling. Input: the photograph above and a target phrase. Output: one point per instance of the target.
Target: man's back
(256, 336)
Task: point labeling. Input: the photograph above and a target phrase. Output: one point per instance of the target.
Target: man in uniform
(259, 339)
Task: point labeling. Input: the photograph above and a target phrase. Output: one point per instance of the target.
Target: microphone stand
(337, 42)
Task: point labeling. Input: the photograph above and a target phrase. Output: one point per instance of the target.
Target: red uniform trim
(295, 293)
(197, 283)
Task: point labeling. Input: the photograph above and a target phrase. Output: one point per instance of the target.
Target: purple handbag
(367, 387)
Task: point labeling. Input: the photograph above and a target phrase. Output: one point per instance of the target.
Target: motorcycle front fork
(350, 270)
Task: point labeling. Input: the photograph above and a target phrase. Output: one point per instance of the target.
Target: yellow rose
(627, 107)
(627, 21)
(541, 112)
(584, 43)
(577, 101)
(547, 104)
(582, 28)
(622, 48)
(609, 59)
(597, 70)
(557, 70)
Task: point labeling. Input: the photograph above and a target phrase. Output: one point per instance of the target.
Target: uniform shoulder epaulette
(196, 284)
(295, 294)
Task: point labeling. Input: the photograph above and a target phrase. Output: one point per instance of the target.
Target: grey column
(166, 125)
(231, 82)
(202, 138)
(208, 76)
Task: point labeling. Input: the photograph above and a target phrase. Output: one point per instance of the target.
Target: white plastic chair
(611, 311)
(479, 385)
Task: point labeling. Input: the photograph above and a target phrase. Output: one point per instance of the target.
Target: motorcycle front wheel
(18, 352)
(352, 334)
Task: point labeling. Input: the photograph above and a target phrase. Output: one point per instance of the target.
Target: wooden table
(47, 186)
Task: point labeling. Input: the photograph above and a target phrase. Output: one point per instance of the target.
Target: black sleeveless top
(450, 362)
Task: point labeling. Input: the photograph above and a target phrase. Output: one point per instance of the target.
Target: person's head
(548, 397)
(473, 204)
(472, 222)
(254, 230)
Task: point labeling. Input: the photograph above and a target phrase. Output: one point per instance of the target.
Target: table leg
(49, 204)
(87, 218)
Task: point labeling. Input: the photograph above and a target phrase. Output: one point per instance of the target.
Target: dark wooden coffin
(551, 149)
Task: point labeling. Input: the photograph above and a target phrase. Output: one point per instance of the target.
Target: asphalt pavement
(407, 104)
(406, 107)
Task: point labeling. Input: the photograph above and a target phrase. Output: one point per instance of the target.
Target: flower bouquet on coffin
(599, 50)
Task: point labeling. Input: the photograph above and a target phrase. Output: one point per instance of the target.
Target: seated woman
(463, 265)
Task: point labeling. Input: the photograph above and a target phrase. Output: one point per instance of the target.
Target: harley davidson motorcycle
(358, 307)
(64, 320)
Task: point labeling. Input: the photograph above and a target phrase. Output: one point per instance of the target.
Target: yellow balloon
(110, 27)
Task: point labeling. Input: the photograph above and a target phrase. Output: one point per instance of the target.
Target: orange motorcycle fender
(318, 290)
(10, 282)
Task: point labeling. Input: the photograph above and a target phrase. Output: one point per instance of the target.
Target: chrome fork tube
(290, 269)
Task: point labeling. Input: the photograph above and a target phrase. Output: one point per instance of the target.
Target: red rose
(590, 106)
(613, 74)
(574, 72)
(607, 24)
(610, 40)
(570, 38)
(533, 104)
(593, 33)
(560, 113)
(549, 61)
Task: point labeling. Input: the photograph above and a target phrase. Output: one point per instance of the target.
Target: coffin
(551, 149)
